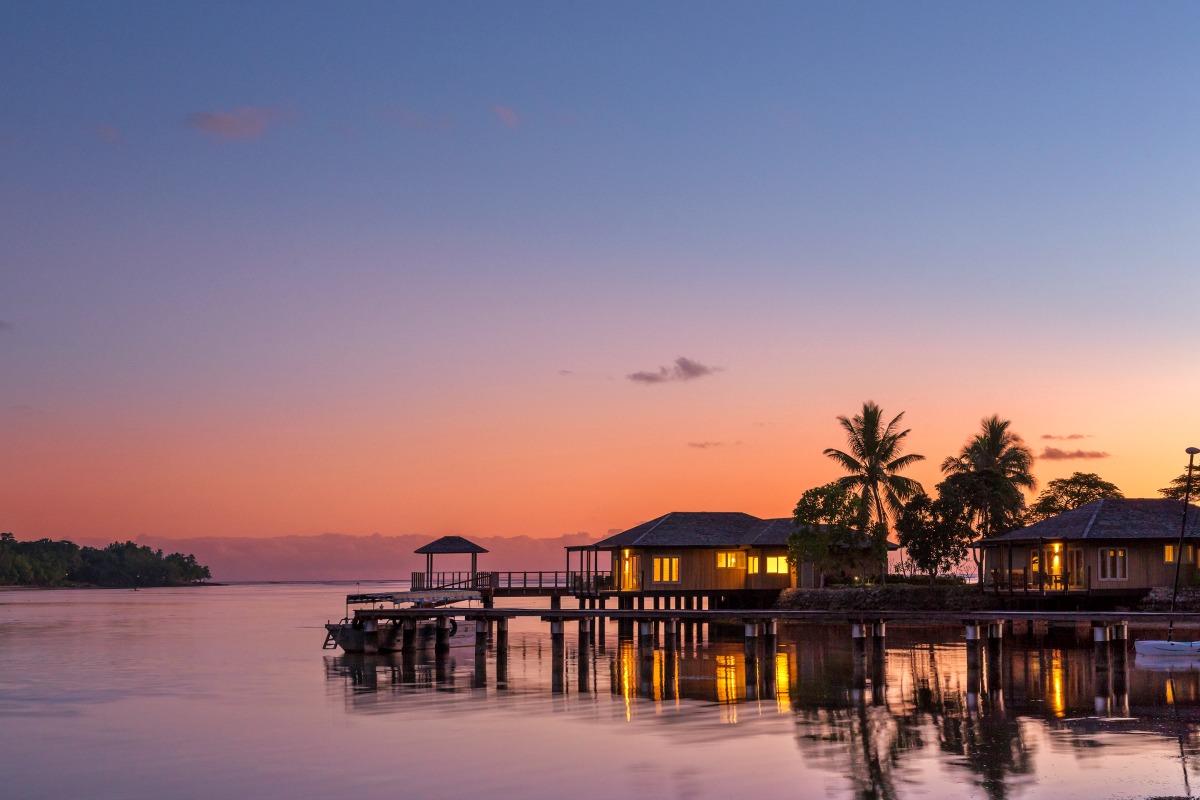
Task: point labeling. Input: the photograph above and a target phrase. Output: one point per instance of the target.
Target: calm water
(225, 692)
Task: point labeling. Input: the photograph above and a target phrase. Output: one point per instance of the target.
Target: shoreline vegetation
(63, 564)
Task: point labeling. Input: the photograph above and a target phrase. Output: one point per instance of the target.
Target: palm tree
(873, 462)
(990, 472)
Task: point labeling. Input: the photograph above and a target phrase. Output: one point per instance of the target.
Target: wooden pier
(670, 629)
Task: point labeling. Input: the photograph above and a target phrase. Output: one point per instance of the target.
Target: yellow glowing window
(1169, 553)
(666, 569)
(752, 562)
(777, 565)
(731, 559)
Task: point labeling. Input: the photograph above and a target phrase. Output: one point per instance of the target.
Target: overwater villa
(1114, 548)
(727, 559)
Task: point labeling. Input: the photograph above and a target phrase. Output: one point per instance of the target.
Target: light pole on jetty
(1187, 493)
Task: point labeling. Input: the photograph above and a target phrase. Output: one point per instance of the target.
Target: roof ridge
(649, 530)
(1096, 513)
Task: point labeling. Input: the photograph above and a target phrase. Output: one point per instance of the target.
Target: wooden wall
(1144, 563)
(698, 569)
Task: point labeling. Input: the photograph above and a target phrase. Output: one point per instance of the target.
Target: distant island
(122, 564)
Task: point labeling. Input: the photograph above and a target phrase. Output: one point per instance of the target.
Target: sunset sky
(541, 268)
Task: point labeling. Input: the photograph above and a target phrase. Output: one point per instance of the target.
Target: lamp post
(1187, 493)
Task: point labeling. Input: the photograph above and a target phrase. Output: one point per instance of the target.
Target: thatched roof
(1112, 518)
(450, 544)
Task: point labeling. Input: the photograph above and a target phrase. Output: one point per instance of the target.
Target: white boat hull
(1159, 647)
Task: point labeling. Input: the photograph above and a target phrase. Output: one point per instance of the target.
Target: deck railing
(577, 582)
(1021, 581)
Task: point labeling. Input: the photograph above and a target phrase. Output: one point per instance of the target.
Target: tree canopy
(828, 531)
(49, 563)
(936, 533)
(1065, 494)
(989, 473)
(1176, 489)
(874, 462)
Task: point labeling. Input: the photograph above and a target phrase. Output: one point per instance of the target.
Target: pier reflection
(871, 710)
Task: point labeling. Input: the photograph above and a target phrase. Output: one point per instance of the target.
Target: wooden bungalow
(1114, 547)
(726, 558)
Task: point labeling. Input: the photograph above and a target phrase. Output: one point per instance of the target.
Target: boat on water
(1160, 647)
(350, 633)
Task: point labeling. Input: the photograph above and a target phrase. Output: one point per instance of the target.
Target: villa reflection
(870, 715)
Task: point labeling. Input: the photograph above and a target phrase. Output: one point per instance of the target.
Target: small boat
(1161, 647)
(350, 634)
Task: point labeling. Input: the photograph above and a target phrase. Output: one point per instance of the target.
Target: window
(752, 567)
(731, 559)
(1112, 564)
(666, 569)
(1169, 553)
(777, 565)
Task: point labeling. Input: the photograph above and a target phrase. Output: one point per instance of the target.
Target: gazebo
(447, 545)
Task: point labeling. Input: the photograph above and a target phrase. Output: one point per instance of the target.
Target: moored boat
(350, 634)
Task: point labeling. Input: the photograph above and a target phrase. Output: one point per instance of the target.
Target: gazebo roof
(450, 544)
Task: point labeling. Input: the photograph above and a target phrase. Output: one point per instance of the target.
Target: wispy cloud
(566, 372)
(1066, 437)
(5, 327)
(242, 124)
(507, 115)
(710, 445)
(684, 369)
(1054, 454)
(108, 133)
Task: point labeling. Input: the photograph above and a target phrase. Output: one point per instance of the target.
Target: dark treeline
(50, 563)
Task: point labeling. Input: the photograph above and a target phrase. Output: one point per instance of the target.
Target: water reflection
(871, 712)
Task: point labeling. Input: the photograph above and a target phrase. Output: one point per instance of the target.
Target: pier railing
(560, 581)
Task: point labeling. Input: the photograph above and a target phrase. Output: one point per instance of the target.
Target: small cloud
(108, 133)
(566, 372)
(507, 115)
(5, 327)
(709, 445)
(1054, 454)
(242, 124)
(684, 369)
(1066, 437)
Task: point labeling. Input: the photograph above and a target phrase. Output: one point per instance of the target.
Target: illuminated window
(1169, 553)
(752, 565)
(1112, 564)
(731, 559)
(666, 569)
(777, 565)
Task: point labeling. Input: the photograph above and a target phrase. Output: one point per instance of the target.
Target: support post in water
(408, 635)
(442, 639)
(502, 653)
(557, 656)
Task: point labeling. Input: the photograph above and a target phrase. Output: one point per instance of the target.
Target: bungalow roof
(450, 544)
(1111, 518)
(706, 529)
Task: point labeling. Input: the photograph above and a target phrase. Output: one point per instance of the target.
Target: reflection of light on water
(783, 675)
(628, 665)
(728, 691)
(1058, 700)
